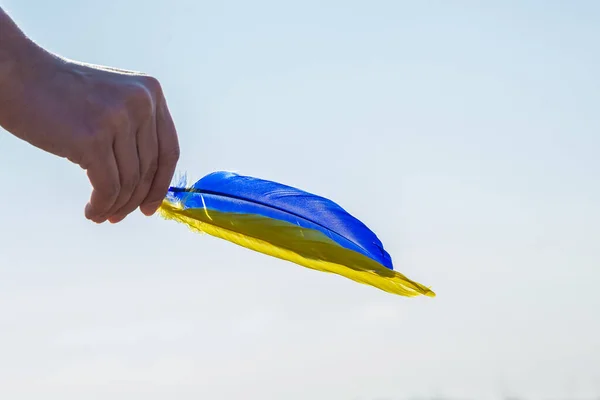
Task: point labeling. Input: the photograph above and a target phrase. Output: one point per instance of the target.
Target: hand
(114, 124)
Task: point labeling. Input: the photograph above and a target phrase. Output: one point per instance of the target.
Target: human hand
(114, 124)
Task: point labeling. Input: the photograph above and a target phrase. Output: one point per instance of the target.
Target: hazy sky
(467, 136)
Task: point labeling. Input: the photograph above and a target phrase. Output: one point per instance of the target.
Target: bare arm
(15, 47)
(11, 40)
(114, 124)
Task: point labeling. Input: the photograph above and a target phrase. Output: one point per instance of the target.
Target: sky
(465, 134)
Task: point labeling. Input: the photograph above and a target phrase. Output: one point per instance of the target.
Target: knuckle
(100, 142)
(125, 210)
(130, 183)
(172, 155)
(98, 152)
(112, 190)
(84, 161)
(153, 84)
(114, 117)
(148, 175)
(140, 97)
(79, 157)
(91, 149)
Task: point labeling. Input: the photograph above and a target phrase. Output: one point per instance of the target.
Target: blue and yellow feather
(287, 223)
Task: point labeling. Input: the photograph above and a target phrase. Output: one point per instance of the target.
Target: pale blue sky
(466, 135)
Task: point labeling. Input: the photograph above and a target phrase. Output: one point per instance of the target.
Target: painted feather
(287, 223)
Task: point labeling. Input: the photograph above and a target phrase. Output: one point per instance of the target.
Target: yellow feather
(306, 247)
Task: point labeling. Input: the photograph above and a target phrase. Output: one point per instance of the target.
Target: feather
(287, 223)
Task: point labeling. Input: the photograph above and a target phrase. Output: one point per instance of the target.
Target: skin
(114, 124)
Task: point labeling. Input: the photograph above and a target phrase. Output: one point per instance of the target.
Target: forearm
(14, 47)
(21, 63)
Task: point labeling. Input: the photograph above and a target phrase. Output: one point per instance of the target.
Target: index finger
(168, 156)
(103, 174)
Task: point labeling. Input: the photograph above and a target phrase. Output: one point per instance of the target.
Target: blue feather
(288, 223)
(230, 192)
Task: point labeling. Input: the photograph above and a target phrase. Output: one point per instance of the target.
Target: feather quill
(287, 223)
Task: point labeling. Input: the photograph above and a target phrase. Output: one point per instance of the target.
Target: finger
(147, 148)
(168, 156)
(126, 155)
(104, 177)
